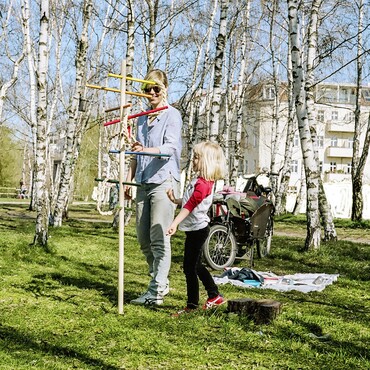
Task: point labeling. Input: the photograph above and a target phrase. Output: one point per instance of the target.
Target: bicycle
(240, 223)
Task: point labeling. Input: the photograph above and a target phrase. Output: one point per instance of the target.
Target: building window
(334, 115)
(321, 166)
(321, 115)
(296, 140)
(334, 142)
(366, 94)
(269, 93)
(246, 166)
(350, 117)
(294, 166)
(333, 166)
(343, 96)
(255, 141)
(329, 95)
(349, 168)
(350, 143)
(319, 141)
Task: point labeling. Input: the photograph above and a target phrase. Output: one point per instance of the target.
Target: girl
(210, 164)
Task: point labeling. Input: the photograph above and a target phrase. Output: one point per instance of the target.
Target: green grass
(59, 307)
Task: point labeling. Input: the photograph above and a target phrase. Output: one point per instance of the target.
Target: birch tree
(14, 60)
(313, 237)
(150, 32)
(194, 97)
(358, 158)
(41, 186)
(281, 193)
(217, 82)
(75, 120)
(312, 36)
(240, 94)
(31, 117)
(276, 134)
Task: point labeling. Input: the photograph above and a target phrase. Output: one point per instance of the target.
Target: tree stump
(262, 311)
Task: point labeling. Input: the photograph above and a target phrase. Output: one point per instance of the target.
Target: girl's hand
(171, 230)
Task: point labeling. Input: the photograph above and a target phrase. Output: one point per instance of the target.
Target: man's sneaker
(148, 299)
(166, 290)
(181, 312)
(214, 302)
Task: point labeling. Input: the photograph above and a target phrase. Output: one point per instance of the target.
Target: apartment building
(334, 115)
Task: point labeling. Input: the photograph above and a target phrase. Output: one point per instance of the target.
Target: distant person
(22, 190)
(158, 133)
(210, 164)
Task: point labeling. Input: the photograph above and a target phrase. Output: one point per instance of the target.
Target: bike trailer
(259, 220)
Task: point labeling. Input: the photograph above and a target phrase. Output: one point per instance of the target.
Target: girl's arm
(181, 216)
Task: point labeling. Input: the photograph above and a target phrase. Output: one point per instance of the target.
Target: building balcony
(340, 127)
(339, 152)
(337, 177)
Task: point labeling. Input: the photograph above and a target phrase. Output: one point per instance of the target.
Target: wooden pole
(121, 250)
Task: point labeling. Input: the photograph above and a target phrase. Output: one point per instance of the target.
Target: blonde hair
(212, 161)
(157, 76)
(160, 78)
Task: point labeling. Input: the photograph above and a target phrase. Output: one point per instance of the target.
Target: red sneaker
(214, 302)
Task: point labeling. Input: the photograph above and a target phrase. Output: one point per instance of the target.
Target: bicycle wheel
(220, 248)
(264, 245)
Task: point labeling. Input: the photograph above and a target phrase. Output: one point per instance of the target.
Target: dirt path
(342, 235)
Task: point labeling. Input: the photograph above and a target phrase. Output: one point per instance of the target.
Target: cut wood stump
(261, 311)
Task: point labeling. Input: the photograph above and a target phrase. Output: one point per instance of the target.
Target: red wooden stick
(147, 112)
(136, 115)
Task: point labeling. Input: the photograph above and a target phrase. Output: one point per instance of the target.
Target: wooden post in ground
(121, 227)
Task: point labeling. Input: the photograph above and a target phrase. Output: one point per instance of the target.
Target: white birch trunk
(276, 135)
(169, 38)
(33, 92)
(75, 122)
(217, 81)
(324, 207)
(357, 171)
(196, 92)
(240, 95)
(42, 196)
(312, 182)
(153, 12)
(281, 193)
(59, 28)
(6, 85)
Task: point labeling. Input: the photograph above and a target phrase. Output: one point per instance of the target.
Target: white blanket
(302, 282)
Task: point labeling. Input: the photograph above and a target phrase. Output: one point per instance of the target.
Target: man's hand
(137, 147)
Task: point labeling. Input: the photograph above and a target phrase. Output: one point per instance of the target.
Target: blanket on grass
(248, 278)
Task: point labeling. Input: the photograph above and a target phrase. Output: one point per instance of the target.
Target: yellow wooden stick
(132, 79)
(117, 90)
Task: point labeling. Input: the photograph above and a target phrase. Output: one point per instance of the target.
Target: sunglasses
(156, 89)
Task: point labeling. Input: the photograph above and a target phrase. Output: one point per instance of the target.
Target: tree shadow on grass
(322, 342)
(17, 341)
(49, 285)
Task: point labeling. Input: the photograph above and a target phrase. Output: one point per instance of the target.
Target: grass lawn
(59, 307)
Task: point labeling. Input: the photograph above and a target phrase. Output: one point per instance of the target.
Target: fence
(9, 192)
